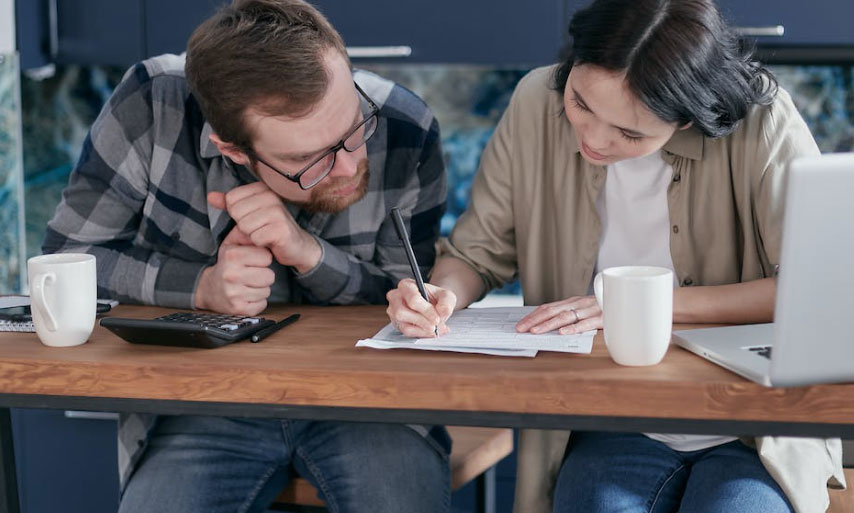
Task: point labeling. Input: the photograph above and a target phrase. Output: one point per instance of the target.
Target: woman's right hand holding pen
(416, 317)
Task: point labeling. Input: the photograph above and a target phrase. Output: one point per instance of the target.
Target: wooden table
(311, 369)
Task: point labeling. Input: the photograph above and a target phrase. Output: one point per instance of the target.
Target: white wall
(7, 26)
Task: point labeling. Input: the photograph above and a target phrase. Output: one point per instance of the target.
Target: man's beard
(324, 199)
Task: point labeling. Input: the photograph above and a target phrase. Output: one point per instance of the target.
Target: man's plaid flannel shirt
(137, 201)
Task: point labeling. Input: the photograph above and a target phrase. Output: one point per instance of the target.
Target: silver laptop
(812, 337)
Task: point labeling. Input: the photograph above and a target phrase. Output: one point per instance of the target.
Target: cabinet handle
(769, 31)
(53, 28)
(378, 52)
(91, 415)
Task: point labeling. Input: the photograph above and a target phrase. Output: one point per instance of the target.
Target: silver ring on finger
(577, 318)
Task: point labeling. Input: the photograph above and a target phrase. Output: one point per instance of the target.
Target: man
(262, 170)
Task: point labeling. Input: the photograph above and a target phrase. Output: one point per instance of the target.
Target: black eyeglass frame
(296, 178)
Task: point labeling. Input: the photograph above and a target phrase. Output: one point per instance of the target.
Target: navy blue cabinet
(65, 464)
(492, 32)
(80, 32)
(497, 32)
(505, 32)
(793, 22)
(169, 23)
(98, 32)
(32, 24)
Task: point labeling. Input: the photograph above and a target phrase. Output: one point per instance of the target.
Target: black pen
(269, 330)
(410, 255)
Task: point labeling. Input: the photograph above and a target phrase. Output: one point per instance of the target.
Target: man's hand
(261, 215)
(239, 283)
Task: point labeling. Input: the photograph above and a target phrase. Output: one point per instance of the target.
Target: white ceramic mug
(63, 296)
(637, 306)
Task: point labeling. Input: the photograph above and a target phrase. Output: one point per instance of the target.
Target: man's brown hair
(267, 54)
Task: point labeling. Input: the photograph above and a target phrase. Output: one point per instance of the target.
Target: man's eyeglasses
(316, 170)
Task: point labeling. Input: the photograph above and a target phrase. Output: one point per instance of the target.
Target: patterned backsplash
(11, 190)
(468, 101)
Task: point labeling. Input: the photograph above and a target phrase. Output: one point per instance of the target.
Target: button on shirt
(636, 231)
(533, 216)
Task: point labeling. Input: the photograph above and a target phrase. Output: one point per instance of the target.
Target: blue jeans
(631, 473)
(223, 465)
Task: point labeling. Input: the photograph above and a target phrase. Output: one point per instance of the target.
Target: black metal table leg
(8, 474)
(485, 493)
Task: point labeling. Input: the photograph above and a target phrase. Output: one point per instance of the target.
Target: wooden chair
(475, 453)
(842, 501)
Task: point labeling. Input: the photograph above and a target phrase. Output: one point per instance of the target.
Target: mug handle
(599, 291)
(40, 301)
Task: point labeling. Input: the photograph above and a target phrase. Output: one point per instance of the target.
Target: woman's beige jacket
(532, 215)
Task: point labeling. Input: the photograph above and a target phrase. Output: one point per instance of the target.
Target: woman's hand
(574, 315)
(413, 315)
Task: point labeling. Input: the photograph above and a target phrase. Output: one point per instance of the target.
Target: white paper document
(19, 326)
(486, 330)
(409, 343)
(27, 326)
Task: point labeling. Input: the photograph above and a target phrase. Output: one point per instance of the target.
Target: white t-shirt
(636, 231)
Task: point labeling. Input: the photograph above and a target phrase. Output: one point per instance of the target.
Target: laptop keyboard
(761, 350)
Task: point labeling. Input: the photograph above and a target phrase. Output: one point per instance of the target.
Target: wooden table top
(314, 363)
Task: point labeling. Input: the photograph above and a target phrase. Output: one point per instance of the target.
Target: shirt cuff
(330, 276)
(176, 283)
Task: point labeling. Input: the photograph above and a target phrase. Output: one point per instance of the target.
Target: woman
(657, 142)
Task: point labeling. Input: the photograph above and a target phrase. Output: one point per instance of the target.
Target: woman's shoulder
(535, 108)
(537, 81)
(756, 155)
(535, 91)
(774, 133)
(779, 119)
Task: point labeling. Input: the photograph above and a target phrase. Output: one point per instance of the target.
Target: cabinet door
(31, 30)
(65, 464)
(97, 31)
(817, 22)
(168, 24)
(496, 32)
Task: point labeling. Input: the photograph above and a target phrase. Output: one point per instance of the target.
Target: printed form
(488, 331)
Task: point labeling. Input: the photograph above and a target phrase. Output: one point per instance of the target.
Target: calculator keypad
(222, 322)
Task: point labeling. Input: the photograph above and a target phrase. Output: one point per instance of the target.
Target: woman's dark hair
(679, 56)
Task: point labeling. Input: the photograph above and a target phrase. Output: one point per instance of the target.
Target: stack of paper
(20, 326)
(488, 331)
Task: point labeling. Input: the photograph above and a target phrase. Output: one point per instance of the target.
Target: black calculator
(186, 329)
